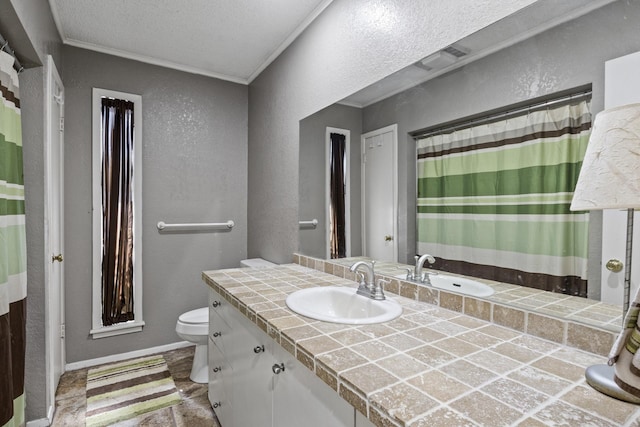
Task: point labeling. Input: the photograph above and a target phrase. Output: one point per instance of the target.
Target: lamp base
(600, 377)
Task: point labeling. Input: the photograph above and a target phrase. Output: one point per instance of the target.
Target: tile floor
(194, 411)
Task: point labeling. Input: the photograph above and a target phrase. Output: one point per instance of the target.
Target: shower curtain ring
(6, 43)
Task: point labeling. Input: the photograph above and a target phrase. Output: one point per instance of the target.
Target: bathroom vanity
(430, 366)
(253, 381)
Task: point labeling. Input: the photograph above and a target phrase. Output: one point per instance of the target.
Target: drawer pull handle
(258, 349)
(217, 334)
(217, 369)
(215, 304)
(216, 405)
(277, 368)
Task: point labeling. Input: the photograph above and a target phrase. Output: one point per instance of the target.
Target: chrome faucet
(423, 277)
(417, 274)
(369, 287)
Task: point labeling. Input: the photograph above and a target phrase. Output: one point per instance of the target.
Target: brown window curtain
(337, 208)
(117, 210)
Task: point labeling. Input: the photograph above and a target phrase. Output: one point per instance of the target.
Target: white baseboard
(42, 422)
(124, 356)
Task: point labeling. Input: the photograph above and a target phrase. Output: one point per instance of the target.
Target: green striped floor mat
(125, 390)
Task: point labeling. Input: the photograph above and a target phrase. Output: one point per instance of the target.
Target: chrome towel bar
(309, 224)
(162, 226)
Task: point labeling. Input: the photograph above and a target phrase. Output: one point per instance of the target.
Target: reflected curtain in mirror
(493, 199)
(337, 214)
(117, 208)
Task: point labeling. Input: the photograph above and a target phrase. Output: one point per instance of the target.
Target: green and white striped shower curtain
(13, 253)
(493, 200)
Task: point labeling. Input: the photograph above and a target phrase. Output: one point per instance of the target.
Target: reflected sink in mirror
(455, 284)
(342, 305)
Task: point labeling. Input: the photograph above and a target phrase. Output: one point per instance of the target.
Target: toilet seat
(194, 322)
(195, 317)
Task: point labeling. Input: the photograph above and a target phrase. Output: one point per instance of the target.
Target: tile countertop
(430, 366)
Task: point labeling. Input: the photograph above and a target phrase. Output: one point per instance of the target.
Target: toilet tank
(256, 262)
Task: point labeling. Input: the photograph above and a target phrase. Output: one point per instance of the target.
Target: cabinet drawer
(219, 334)
(220, 383)
(219, 309)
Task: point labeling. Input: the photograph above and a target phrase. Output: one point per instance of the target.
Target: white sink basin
(457, 284)
(342, 305)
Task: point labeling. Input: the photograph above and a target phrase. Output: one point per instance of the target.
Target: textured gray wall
(32, 110)
(561, 58)
(352, 44)
(194, 168)
(312, 176)
(37, 22)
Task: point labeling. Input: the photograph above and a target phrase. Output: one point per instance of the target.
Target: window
(117, 213)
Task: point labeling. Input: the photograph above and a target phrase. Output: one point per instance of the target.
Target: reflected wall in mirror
(490, 73)
(314, 178)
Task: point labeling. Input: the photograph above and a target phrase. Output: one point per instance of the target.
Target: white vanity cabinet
(248, 387)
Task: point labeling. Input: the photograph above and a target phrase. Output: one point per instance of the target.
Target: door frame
(54, 334)
(327, 186)
(394, 185)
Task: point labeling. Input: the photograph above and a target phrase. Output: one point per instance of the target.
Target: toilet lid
(199, 315)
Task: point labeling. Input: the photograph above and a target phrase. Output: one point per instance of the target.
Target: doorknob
(388, 238)
(614, 265)
(55, 258)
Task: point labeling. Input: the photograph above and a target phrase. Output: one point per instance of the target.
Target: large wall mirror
(547, 50)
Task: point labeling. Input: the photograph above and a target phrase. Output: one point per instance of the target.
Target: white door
(379, 194)
(622, 86)
(54, 233)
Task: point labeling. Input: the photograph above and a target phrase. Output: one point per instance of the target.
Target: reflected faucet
(418, 268)
(417, 274)
(370, 287)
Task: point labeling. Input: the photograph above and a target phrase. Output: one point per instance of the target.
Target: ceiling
(235, 40)
(232, 40)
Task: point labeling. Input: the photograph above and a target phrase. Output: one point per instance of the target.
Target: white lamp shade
(610, 174)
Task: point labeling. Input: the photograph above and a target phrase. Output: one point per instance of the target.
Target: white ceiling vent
(456, 51)
(442, 59)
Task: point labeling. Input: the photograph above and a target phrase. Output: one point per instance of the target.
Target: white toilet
(193, 326)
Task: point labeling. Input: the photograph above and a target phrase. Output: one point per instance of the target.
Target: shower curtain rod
(4, 46)
(504, 113)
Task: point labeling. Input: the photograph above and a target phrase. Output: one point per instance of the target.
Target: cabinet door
(252, 378)
(302, 399)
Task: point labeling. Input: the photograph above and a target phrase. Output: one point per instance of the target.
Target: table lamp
(610, 179)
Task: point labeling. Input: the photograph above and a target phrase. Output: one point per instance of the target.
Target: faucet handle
(378, 290)
(409, 272)
(425, 279)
